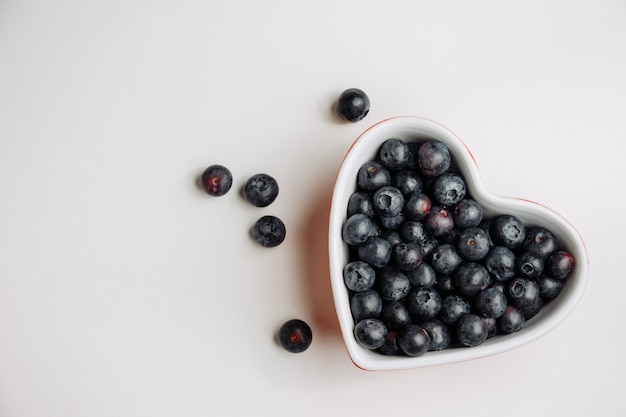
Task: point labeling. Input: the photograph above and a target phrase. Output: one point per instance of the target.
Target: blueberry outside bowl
(411, 128)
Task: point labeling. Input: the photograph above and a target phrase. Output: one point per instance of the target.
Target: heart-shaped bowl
(410, 128)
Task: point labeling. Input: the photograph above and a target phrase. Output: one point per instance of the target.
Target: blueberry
(376, 251)
(560, 264)
(392, 236)
(492, 326)
(359, 276)
(360, 202)
(407, 181)
(412, 231)
(522, 292)
(439, 221)
(473, 243)
(424, 303)
(394, 154)
(453, 307)
(448, 189)
(391, 222)
(471, 330)
(470, 278)
(370, 333)
(414, 340)
(261, 190)
(444, 285)
(217, 180)
(439, 334)
(445, 259)
(508, 230)
(467, 213)
(366, 304)
(393, 285)
(395, 315)
(428, 245)
(512, 320)
(295, 336)
(357, 229)
(352, 105)
(433, 158)
(491, 303)
(531, 310)
(388, 201)
(424, 276)
(501, 263)
(269, 231)
(372, 176)
(417, 206)
(540, 241)
(407, 256)
(413, 155)
(529, 264)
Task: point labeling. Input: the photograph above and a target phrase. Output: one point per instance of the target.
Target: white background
(125, 291)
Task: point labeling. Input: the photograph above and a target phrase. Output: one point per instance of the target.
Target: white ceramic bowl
(532, 214)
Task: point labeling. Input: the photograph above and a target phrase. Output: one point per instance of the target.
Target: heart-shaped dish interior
(419, 129)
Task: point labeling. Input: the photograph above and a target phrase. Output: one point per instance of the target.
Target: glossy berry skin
(491, 303)
(444, 259)
(393, 285)
(529, 264)
(388, 201)
(414, 340)
(295, 336)
(467, 213)
(269, 231)
(424, 303)
(417, 206)
(373, 175)
(439, 334)
(500, 263)
(352, 105)
(439, 221)
(471, 330)
(512, 320)
(407, 256)
(433, 158)
(358, 276)
(424, 276)
(522, 292)
(412, 231)
(370, 333)
(407, 181)
(391, 222)
(560, 264)
(541, 242)
(261, 190)
(390, 347)
(394, 154)
(360, 202)
(376, 251)
(366, 304)
(448, 189)
(217, 180)
(508, 231)
(453, 308)
(395, 315)
(470, 278)
(473, 243)
(357, 229)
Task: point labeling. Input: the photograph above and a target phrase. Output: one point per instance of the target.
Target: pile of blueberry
(427, 270)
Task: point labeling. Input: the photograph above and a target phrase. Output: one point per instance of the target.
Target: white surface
(125, 291)
(419, 129)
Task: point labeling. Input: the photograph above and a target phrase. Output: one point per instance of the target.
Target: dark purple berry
(370, 333)
(417, 206)
(508, 231)
(217, 180)
(352, 105)
(372, 176)
(414, 340)
(467, 213)
(395, 315)
(412, 231)
(358, 276)
(295, 336)
(439, 334)
(490, 303)
(365, 305)
(433, 158)
(360, 202)
(376, 251)
(529, 264)
(269, 231)
(522, 292)
(393, 285)
(439, 221)
(424, 303)
(407, 256)
(448, 189)
(549, 287)
(394, 154)
(424, 276)
(560, 264)
(501, 263)
(388, 201)
(453, 308)
(541, 242)
(357, 229)
(473, 243)
(512, 320)
(261, 190)
(471, 330)
(407, 181)
(444, 259)
(470, 278)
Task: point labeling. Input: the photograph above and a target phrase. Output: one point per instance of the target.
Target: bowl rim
(414, 128)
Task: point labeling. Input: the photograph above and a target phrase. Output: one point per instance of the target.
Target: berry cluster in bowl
(427, 267)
